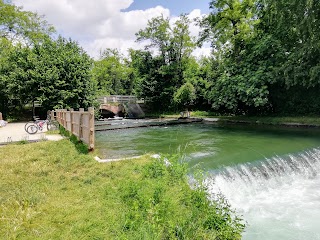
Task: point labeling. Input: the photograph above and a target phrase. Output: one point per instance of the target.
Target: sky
(100, 24)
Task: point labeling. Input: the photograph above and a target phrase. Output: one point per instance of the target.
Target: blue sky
(176, 7)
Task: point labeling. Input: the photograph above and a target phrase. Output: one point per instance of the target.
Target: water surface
(211, 146)
(270, 175)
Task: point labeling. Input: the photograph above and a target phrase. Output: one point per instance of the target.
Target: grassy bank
(272, 120)
(50, 191)
(312, 121)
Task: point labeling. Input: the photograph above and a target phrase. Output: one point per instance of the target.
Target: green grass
(48, 190)
(53, 132)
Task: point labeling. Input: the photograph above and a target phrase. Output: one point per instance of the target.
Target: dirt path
(14, 132)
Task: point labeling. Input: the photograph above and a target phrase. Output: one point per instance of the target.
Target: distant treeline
(265, 59)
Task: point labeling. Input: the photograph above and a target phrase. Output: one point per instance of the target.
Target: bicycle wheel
(27, 125)
(32, 129)
(52, 125)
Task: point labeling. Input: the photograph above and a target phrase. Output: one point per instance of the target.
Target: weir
(278, 197)
(306, 164)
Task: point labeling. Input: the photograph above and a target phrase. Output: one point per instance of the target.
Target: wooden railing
(80, 123)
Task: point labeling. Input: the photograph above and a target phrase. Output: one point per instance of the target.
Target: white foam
(279, 197)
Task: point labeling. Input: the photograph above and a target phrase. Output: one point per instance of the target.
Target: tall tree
(22, 26)
(6, 49)
(229, 25)
(18, 29)
(63, 74)
(54, 72)
(290, 29)
(112, 74)
(174, 45)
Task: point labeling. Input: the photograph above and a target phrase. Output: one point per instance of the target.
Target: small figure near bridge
(185, 114)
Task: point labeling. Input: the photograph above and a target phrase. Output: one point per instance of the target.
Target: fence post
(52, 115)
(81, 110)
(91, 127)
(57, 115)
(71, 119)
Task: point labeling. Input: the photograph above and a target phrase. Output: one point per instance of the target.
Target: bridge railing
(117, 99)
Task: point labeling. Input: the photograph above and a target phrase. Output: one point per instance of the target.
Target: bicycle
(37, 124)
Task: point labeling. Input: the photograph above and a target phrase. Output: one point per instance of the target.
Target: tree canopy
(264, 60)
(35, 66)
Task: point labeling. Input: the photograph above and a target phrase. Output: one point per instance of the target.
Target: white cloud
(99, 24)
(126, 24)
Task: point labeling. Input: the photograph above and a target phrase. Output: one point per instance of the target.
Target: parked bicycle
(38, 125)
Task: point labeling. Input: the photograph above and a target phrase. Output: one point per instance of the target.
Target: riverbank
(283, 121)
(48, 190)
(297, 121)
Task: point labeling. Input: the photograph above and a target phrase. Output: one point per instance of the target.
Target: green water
(278, 197)
(208, 145)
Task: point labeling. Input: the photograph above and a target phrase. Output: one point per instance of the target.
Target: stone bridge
(111, 110)
(121, 106)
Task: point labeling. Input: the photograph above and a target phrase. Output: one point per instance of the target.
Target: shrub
(161, 205)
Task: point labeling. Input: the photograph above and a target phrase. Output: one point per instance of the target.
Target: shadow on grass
(80, 146)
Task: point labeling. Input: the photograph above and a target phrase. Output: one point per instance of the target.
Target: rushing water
(269, 175)
(278, 197)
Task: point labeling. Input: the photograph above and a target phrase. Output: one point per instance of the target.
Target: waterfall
(278, 197)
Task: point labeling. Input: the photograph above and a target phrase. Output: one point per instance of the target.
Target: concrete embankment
(237, 121)
(138, 123)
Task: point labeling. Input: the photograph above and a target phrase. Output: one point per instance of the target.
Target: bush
(161, 205)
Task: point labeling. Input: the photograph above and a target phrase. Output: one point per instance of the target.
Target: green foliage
(35, 67)
(185, 95)
(79, 145)
(63, 131)
(47, 187)
(156, 213)
(156, 169)
(229, 25)
(263, 51)
(63, 73)
(260, 46)
(17, 28)
(160, 76)
(112, 74)
(22, 26)
(56, 73)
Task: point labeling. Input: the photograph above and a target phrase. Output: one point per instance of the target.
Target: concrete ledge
(156, 156)
(284, 124)
(125, 124)
(115, 159)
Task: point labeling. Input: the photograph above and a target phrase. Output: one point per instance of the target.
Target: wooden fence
(80, 123)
